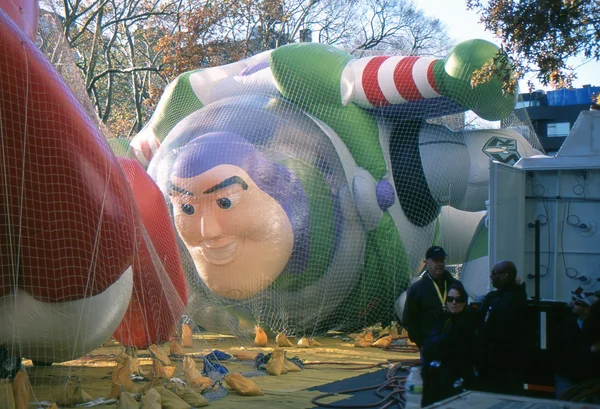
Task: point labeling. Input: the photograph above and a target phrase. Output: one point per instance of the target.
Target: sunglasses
(458, 300)
(494, 272)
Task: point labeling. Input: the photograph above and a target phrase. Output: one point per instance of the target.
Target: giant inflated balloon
(305, 185)
(74, 253)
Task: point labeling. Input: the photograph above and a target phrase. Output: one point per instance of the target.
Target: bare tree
(128, 50)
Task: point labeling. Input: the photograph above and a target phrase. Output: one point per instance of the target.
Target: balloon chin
(57, 332)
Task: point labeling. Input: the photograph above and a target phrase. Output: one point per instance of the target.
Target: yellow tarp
(285, 391)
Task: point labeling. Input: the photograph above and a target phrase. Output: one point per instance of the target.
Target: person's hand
(518, 280)
(595, 347)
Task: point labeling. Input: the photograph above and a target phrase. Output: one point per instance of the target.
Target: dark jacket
(502, 339)
(451, 347)
(573, 357)
(422, 306)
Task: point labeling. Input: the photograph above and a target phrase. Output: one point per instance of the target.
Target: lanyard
(437, 289)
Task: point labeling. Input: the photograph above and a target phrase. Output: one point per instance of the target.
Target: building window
(559, 129)
(527, 104)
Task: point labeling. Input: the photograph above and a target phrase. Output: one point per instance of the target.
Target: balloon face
(267, 183)
(239, 237)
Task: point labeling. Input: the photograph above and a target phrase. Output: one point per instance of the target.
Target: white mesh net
(297, 190)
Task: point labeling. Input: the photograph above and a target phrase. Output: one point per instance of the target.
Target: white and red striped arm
(381, 81)
(144, 145)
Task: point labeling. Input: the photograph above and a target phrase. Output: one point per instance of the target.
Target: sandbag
(186, 336)
(193, 377)
(291, 367)
(151, 400)
(190, 396)
(121, 376)
(303, 343)
(21, 390)
(260, 339)
(383, 342)
(364, 340)
(175, 349)
(276, 364)
(169, 400)
(162, 371)
(282, 340)
(159, 354)
(7, 398)
(244, 355)
(72, 394)
(127, 401)
(242, 385)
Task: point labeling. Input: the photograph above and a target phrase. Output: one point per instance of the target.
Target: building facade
(553, 113)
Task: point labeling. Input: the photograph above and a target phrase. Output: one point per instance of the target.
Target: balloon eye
(187, 209)
(224, 203)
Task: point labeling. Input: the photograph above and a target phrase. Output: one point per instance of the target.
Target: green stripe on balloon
(386, 276)
(309, 75)
(177, 102)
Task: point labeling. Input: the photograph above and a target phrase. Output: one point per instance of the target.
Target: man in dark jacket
(502, 341)
(577, 356)
(426, 298)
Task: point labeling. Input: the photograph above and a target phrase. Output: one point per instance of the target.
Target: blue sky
(464, 24)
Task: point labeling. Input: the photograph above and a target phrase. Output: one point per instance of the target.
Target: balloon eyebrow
(227, 182)
(180, 190)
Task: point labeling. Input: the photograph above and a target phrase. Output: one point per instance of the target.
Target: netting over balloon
(305, 185)
(79, 261)
(297, 190)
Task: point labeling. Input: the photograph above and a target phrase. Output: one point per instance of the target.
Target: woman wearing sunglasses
(448, 350)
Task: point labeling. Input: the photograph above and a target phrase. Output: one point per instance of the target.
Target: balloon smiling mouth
(219, 253)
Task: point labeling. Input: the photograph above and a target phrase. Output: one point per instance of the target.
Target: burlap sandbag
(291, 367)
(191, 397)
(151, 400)
(21, 390)
(383, 342)
(127, 401)
(282, 340)
(176, 349)
(7, 398)
(193, 377)
(186, 336)
(242, 385)
(395, 331)
(151, 384)
(169, 400)
(159, 354)
(72, 394)
(244, 355)
(260, 339)
(365, 340)
(276, 364)
(303, 343)
(162, 371)
(121, 376)
(134, 365)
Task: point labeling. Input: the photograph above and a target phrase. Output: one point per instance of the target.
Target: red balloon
(24, 13)
(159, 293)
(65, 209)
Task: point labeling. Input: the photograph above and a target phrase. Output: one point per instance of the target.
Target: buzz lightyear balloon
(305, 185)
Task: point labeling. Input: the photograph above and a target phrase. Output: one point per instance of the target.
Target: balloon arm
(381, 81)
